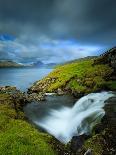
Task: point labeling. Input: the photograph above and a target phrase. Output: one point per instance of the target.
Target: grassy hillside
(17, 137)
(78, 78)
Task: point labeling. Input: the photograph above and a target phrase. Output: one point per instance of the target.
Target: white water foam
(67, 122)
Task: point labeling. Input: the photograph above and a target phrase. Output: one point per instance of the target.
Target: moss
(111, 85)
(17, 137)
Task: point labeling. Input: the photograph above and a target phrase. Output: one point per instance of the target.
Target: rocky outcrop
(21, 98)
(108, 57)
(41, 86)
(34, 97)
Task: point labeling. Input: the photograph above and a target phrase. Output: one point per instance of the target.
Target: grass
(17, 137)
(81, 77)
(20, 138)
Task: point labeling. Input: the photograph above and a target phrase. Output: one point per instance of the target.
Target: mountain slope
(9, 63)
(81, 77)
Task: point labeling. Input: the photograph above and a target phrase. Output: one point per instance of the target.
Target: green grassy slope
(79, 77)
(17, 137)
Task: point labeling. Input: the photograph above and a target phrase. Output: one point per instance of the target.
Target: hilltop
(80, 77)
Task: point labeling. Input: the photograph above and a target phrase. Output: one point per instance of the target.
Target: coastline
(102, 138)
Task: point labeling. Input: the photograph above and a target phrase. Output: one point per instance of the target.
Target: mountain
(38, 64)
(41, 64)
(9, 63)
(50, 65)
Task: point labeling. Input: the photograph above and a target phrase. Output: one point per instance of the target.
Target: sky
(56, 30)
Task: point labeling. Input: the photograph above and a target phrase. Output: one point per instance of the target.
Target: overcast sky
(56, 30)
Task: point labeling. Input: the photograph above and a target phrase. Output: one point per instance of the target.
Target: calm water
(22, 78)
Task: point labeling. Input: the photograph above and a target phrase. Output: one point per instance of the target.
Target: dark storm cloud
(15, 14)
(92, 23)
(88, 20)
(83, 19)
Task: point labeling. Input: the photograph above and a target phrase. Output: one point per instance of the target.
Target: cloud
(44, 49)
(42, 28)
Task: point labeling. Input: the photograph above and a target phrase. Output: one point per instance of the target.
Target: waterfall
(67, 122)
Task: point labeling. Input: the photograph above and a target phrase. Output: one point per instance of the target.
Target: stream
(64, 117)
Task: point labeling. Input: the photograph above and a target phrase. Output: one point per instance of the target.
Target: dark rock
(105, 132)
(36, 97)
(110, 112)
(77, 142)
(88, 152)
(19, 98)
(108, 57)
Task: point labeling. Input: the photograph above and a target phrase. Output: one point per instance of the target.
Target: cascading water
(67, 122)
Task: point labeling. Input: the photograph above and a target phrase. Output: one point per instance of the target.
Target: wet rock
(19, 99)
(60, 92)
(36, 97)
(88, 152)
(110, 112)
(77, 94)
(77, 142)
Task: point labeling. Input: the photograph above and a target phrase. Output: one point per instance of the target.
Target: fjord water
(64, 122)
(22, 78)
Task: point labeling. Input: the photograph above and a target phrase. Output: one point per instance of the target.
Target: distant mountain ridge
(9, 63)
(38, 64)
(41, 64)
